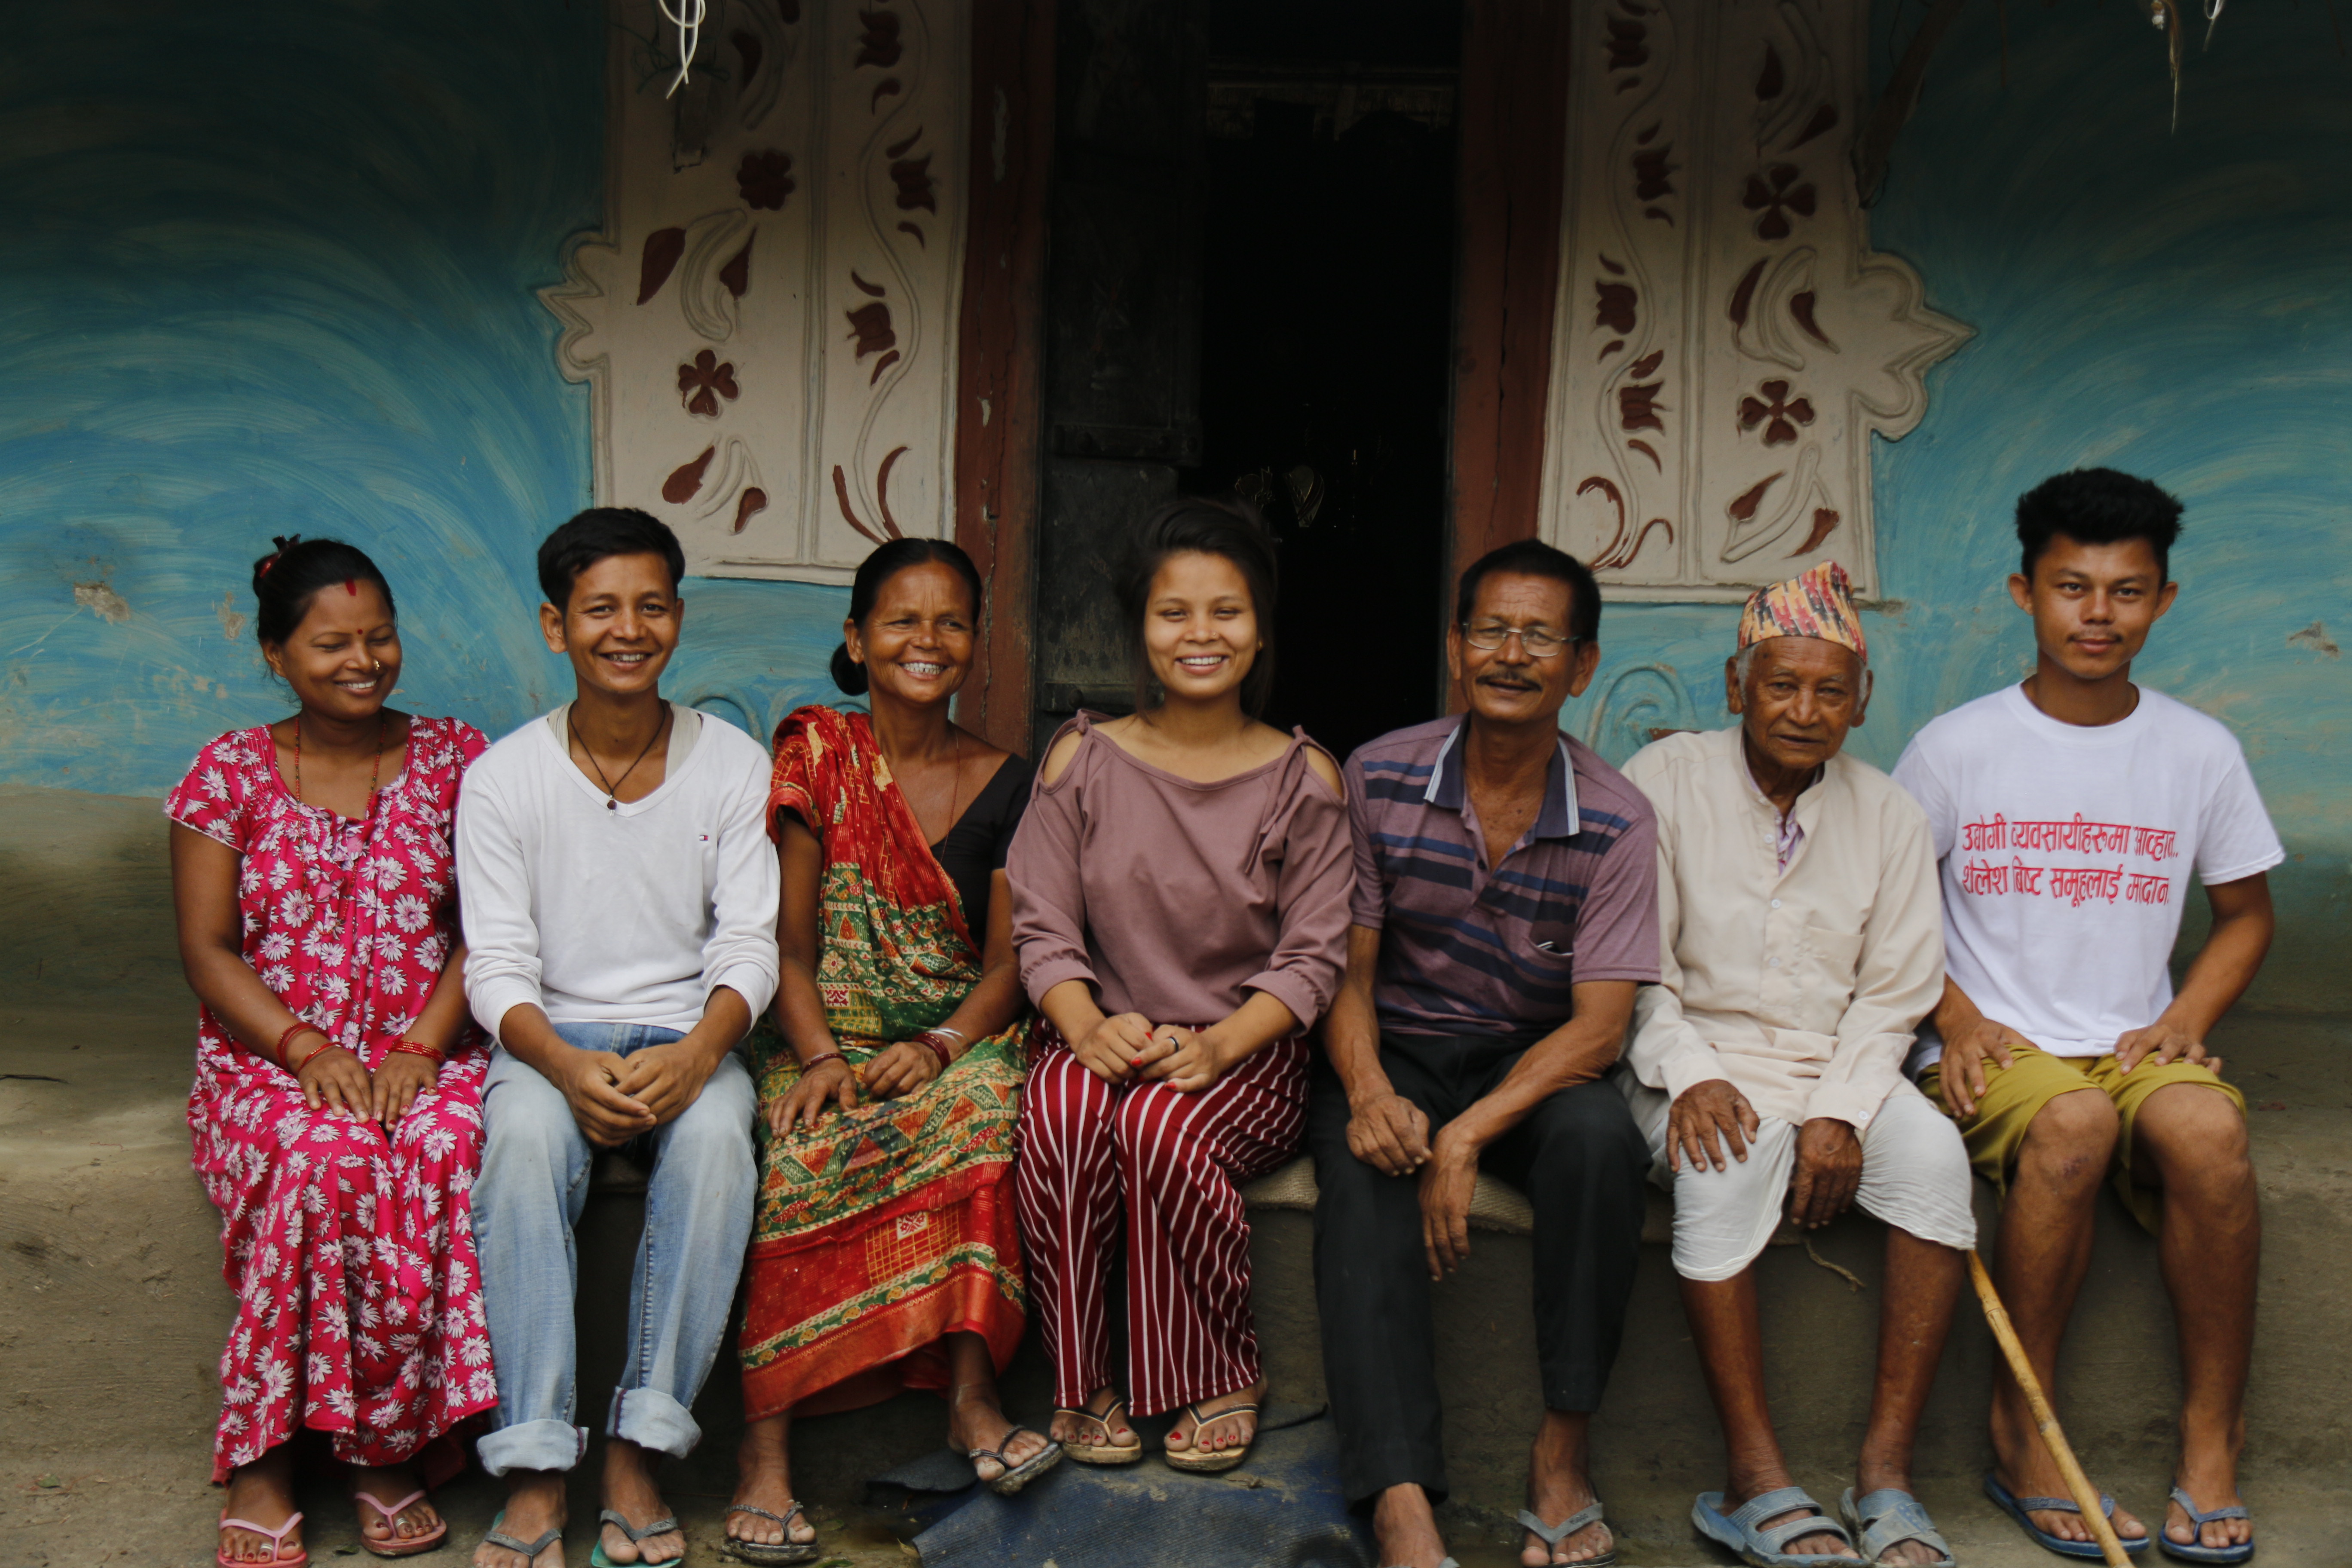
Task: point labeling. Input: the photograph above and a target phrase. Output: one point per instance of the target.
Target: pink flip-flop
(394, 1546)
(276, 1539)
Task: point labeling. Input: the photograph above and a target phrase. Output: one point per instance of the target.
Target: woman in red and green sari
(886, 1253)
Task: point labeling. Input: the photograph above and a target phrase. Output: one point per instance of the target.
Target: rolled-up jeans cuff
(532, 1446)
(652, 1419)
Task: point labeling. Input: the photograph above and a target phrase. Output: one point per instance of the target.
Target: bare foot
(534, 1506)
(1822, 1543)
(766, 1482)
(1112, 1431)
(263, 1493)
(1216, 1437)
(1558, 1485)
(388, 1484)
(629, 1492)
(976, 1421)
(1405, 1529)
(2024, 1466)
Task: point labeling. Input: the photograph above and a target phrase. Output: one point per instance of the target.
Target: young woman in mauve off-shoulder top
(1179, 903)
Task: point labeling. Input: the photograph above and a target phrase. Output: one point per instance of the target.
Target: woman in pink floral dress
(337, 1108)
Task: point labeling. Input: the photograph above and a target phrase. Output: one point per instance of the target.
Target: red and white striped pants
(1174, 1160)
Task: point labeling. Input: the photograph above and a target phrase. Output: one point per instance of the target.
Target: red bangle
(287, 1039)
(417, 1049)
(939, 1047)
(325, 1045)
(820, 1059)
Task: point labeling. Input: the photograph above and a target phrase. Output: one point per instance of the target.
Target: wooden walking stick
(2086, 1496)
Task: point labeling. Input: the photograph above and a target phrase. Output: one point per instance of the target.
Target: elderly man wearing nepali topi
(1800, 922)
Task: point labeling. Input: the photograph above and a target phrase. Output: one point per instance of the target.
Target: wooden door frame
(1513, 118)
(999, 364)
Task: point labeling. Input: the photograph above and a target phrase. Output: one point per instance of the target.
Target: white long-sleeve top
(630, 915)
(1802, 986)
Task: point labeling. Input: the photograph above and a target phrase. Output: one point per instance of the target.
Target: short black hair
(596, 534)
(2097, 506)
(886, 562)
(1534, 558)
(286, 580)
(1222, 525)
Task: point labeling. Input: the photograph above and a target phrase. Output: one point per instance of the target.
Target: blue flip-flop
(1888, 1517)
(1762, 1548)
(597, 1558)
(2023, 1509)
(2193, 1553)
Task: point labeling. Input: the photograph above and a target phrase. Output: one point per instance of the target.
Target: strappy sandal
(770, 1553)
(1217, 1461)
(1551, 1535)
(596, 1558)
(1889, 1518)
(529, 1550)
(1011, 1477)
(2023, 1509)
(1105, 1452)
(2193, 1550)
(276, 1539)
(1742, 1530)
(392, 1545)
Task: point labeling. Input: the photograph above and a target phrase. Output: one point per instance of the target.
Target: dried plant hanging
(2166, 14)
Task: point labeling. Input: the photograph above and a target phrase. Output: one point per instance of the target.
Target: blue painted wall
(2175, 304)
(269, 268)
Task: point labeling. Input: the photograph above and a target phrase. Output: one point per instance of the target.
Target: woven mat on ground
(1283, 1509)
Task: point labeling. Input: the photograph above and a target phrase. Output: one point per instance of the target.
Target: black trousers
(1581, 1163)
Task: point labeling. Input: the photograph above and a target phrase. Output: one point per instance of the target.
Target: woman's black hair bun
(847, 673)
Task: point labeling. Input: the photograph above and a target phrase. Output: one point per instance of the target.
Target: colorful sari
(891, 1225)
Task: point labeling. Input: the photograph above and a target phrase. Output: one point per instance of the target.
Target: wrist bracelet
(958, 1035)
(820, 1059)
(417, 1049)
(299, 1027)
(939, 1047)
(325, 1045)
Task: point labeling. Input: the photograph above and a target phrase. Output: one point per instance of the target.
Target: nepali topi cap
(1819, 603)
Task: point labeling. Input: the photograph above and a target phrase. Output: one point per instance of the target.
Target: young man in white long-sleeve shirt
(619, 896)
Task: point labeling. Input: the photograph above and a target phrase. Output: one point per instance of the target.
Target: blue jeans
(533, 1184)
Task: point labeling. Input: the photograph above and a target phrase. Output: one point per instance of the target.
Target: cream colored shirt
(1803, 986)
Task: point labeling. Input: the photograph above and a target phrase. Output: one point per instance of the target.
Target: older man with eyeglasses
(1506, 909)
(1803, 942)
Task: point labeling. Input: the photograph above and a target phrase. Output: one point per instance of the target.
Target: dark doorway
(1327, 310)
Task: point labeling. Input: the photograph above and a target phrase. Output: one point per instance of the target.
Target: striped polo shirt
(1472, 949)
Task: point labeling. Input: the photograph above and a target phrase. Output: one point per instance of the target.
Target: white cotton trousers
(1914, 1176)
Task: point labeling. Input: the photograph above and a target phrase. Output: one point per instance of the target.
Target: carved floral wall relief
(767, 321)
(1725, 341)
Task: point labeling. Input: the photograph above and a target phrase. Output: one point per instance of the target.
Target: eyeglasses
(1539, 642)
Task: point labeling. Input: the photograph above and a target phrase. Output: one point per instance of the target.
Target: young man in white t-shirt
(619, 894)
(2068, 812)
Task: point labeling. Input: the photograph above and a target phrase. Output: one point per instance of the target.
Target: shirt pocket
(1829, 961)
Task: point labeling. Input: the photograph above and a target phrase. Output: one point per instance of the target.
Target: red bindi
(352, 586)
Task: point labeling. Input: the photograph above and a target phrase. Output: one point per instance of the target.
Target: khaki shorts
(2015, 1094)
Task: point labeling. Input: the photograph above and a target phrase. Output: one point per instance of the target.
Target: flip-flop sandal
(1012, 1478)
(770, 1553)
(276, 1539)
(529, 1550)
(392, 1545)
(1449, 1563)
(1217, 1461)
(1551, 1535)
(596, 1558)
(1101, 1453)
(1760, 1548)
(2023, 1509)
(2191, 1552)
(1888, 1517)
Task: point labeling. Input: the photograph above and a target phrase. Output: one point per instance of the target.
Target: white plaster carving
(1726, 340)
(784, 393)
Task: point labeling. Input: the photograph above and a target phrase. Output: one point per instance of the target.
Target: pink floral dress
(359, 1299)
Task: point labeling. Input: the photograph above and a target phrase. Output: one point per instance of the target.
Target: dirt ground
(112, 1310)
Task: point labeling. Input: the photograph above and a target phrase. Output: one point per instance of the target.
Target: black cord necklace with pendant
(613, 786)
